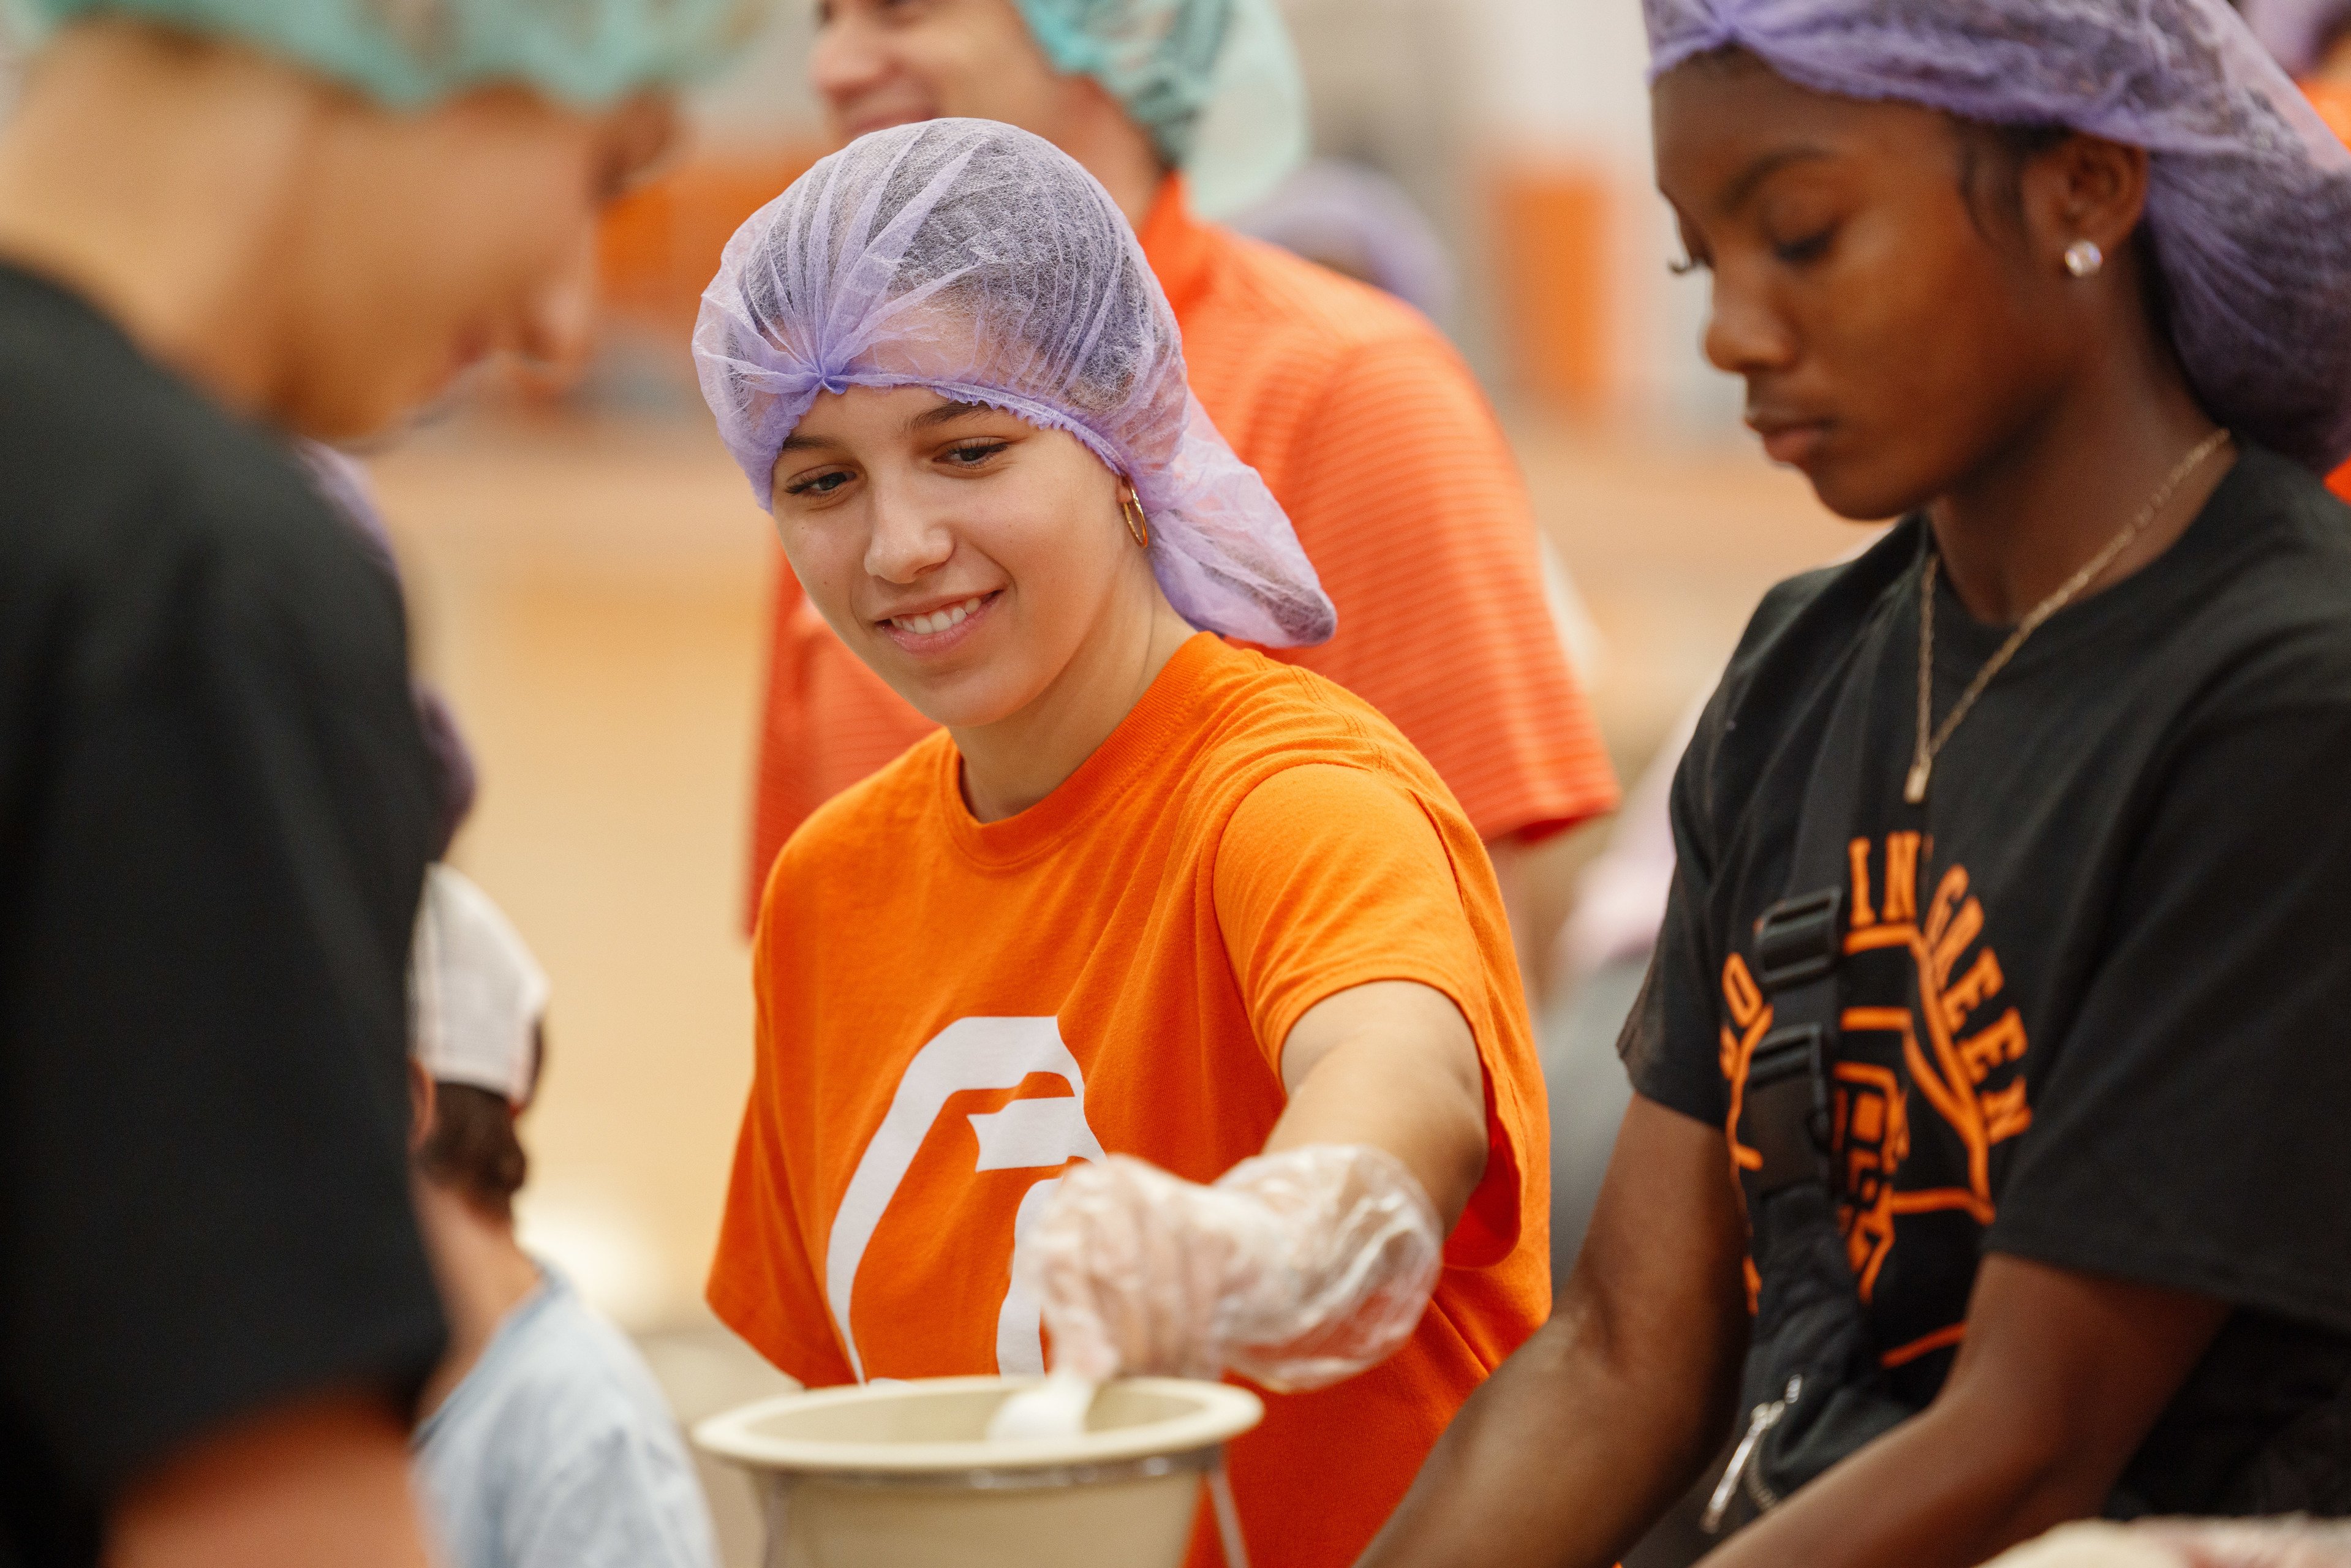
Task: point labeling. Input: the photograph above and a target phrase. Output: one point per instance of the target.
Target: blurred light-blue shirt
(558, 1451)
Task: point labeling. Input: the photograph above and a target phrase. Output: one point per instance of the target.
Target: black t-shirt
(214, 813)
(2097, 1001)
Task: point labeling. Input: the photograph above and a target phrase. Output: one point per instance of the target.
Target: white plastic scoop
(1054, 1408)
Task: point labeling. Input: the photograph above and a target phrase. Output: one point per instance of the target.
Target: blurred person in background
(1984, 1165)
(545, 1442)
(1164, 996)
(2312, 38)
(1364, 421)
(1356, 221)
(222, 226)
(1351, 219)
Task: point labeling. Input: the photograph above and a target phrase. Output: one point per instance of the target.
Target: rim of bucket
(1223, 1411)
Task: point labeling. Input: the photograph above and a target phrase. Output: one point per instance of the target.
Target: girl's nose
(1743, 333)
(907, 542)
(847, 58)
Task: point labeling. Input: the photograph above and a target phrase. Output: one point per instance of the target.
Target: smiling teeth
(938, 620)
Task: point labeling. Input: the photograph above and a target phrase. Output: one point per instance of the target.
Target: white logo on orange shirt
(968, 1055)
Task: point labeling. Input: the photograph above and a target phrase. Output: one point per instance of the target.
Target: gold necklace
(1922, 758)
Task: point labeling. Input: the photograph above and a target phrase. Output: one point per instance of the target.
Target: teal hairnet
(579, 52)
(1215, 82)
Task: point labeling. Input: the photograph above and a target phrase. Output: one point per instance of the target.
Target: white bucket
(901, 1475)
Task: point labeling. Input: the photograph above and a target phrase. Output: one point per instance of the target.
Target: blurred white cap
(476, 994)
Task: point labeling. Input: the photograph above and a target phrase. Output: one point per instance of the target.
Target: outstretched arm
(1391, 1064)
(1361, 954)
(1581, 1439)
(2060, 1378)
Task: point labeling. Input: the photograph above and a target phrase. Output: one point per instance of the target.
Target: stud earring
(2084, 259)
(1138, 525)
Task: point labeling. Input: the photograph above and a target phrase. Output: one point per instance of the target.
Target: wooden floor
(591, 598)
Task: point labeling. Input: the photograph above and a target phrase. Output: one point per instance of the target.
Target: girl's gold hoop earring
(1138, 526)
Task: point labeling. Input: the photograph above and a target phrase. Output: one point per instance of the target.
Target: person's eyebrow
(1737, 194)
(799, 442)
(946, 413)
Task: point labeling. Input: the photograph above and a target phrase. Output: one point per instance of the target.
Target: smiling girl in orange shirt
(1163, 998)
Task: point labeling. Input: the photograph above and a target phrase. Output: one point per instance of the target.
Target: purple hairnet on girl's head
(2298, 31)
(2249, 195)
(984, 263)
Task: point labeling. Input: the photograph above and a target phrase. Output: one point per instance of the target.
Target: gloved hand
(1295, 1270)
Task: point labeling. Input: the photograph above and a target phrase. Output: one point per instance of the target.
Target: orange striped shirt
(2333, 101)
(1373, 435)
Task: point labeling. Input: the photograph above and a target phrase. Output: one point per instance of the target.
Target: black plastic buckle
(1798, 939)
(1786, 1106)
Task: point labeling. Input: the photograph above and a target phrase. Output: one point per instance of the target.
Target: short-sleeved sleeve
(1408, 502)
(2188, 1131)
(1668, 1044)
(218, 810)
(1329, 877)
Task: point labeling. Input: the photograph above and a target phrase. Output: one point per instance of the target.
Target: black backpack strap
(1799, 950)
(1811, 1383)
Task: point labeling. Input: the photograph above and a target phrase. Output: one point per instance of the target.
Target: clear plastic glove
(1295, 1270)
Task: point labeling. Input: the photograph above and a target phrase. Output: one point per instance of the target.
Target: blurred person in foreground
(1364, 421)
(222, 226)
(1164, 996)
(2312, 38)
(545, 1442)
(1992, 1038)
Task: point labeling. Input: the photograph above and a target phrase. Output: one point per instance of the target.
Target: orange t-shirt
(1375, 440)
(949, 1012)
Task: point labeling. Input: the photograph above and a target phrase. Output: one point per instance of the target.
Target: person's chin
(1861, 491)
(968, 700)
(351, 416)
(967, 688)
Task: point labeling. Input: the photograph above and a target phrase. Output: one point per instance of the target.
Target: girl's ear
(2083, 188)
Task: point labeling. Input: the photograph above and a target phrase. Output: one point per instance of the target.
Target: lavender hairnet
(2249, 195)
(984, 263)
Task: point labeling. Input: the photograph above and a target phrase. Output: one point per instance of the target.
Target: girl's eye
(971, 453)
(820, 484)
(1798, 253)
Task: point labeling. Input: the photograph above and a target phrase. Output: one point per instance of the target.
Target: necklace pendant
(1914, 789)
